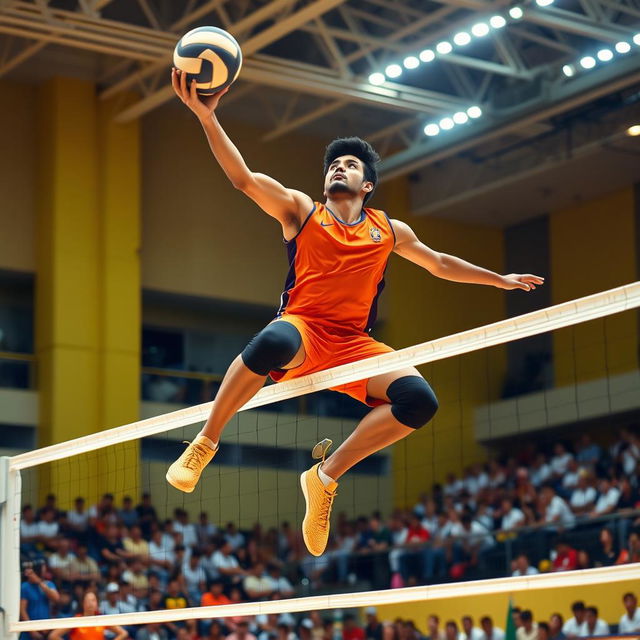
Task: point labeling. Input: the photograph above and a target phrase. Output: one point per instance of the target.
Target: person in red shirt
(215, 595)
(350, 630)
(89, 608)
(566, 557)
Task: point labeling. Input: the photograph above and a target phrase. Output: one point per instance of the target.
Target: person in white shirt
(182, 525)
(226, 563)
(257, 585)
(489, 631)
(77, 519)
(112, 603)
(571, 627)
(556, 510)
(570, 478)
(583, 497)
(592, 625)
(195, 578)
(29, 530)
(560, 460)
(48, 528)
(281, 584)
(608, 500)
(529, 629)
(521, 566)
(540, 471)
(60, 561)
(233, 536)
(512, 517)
(453, 486)
(469, 632)
(630, 621)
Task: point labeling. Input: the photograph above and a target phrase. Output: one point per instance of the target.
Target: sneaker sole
(177, 485)
(303, 486)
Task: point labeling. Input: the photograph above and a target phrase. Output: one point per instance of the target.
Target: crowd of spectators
(473, 526)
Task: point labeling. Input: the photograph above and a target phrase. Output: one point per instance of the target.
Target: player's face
(345, 178)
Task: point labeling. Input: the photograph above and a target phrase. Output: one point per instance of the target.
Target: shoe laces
(195, 456)
(325, 507)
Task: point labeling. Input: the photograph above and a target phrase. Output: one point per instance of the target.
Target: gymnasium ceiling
(544, 139)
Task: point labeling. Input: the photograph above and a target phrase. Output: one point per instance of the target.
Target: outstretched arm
(288, 206)
(452, 268)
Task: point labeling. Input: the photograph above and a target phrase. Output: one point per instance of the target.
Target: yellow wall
(422, 307)
(542, 602)
(592, 249)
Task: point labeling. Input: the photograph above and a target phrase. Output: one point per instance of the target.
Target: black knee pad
(272, 348)
(413, 402)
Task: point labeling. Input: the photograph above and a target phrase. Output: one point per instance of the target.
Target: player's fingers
(183, 86)
(174, 83)
(192, 90)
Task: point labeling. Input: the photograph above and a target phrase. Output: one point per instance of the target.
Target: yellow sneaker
(185, 472)
(319, 499)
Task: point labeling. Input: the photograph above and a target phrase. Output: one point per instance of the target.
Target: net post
(9, 548)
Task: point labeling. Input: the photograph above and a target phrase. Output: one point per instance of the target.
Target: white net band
(350, 600)
(562, 315)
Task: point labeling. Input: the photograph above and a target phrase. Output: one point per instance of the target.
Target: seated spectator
(559, 463)
(453, 486)
(135, 575)
(226, 564)
(584, 561)
(89, 608)
(37, 593)
(607, 554)
(281, 584)
(584, 496)
(512, 517)
(182, 525)
(522, 567)
(113, 601)
(234, 537)
(608, 499)
(76, 520)
(569, 480)
(529, 628)
(215, 595)
(373, 628)
(555, 510)
(469, 632)
(146, 514)
(489, 631)
(242, 632)
(48, 528)
(629, 498)
(194, 578)
(103, 514)
(556, 623)
(451, 630)
(544, 632)
(433, 628)
(592, 625)
(83, 568)
(630, 621)
(110, 546)
(565, 558)
(152, 631)
(589, 453)
(174, 599)
(60, 561)
(632, 552)
(135, 546)
(205, 530)
(257, 585)
(127, 515)
(29, 531)
(540, 472)
(351, 630)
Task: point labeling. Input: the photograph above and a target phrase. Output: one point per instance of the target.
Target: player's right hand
(202, 106)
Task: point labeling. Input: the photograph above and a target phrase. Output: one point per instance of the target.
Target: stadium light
(474, 112)
(462, 39)
(544, 3)
(411, 62)
(604, 55)
(447, 123)
(568, 70)
(393, 71)
(623, 47)
(588, 62)
(634, 130)
(427, 55)
(516, 13)
(497, 22)
(376, 78)
(480, 30)
(444, 48)
(636, 39)
(431, 130)
(460, 117)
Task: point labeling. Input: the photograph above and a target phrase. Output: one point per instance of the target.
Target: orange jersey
(87, 633)
(336, 270)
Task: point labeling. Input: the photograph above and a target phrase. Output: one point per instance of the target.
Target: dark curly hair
(360, 149)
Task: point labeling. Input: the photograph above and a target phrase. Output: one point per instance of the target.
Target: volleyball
(209, 55)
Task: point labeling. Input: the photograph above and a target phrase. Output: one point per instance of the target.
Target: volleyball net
(582, 370)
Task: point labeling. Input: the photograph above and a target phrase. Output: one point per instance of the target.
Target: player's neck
(348, 210)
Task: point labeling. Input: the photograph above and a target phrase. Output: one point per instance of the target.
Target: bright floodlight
(497, 22)
(393, 70)
(634, 130)
(411, 62)
(636, 39)
(462, 38)
(516, 13)
(474, 112)
(447, 123)
(444, 47)
(376, 78)
(480, 30)
(427, 55)
(623, 47)
(568, 70)
(460, 117)
(432, 130)
(604, 55)
(588, 62)
(544, 3)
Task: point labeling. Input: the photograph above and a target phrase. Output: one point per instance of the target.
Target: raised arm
(452, 268)
(288, 206)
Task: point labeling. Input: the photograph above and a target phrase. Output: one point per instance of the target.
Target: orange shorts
(326, 347)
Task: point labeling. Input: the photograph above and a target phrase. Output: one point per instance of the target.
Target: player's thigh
(300, 356)
(378, 385)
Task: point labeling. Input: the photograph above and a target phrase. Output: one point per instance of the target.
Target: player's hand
(202, 106)
(524, 281)
(31, 576)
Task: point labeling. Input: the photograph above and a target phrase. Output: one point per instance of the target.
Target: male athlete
(337, 253)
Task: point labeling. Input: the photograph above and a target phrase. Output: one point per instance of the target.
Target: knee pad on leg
(413, 402)
(274, 347)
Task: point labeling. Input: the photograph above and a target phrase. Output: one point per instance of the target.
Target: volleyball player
(338, 251)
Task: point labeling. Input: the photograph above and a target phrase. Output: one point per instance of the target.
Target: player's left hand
(524, 281)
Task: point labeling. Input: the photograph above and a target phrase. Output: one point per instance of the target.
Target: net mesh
(496, 404)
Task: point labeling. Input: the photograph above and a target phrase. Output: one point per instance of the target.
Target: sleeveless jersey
(336, 270)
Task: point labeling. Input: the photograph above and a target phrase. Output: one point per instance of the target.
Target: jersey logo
(375, 234)
(326, 224)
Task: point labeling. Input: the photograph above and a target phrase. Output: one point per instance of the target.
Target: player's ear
(368, 186)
